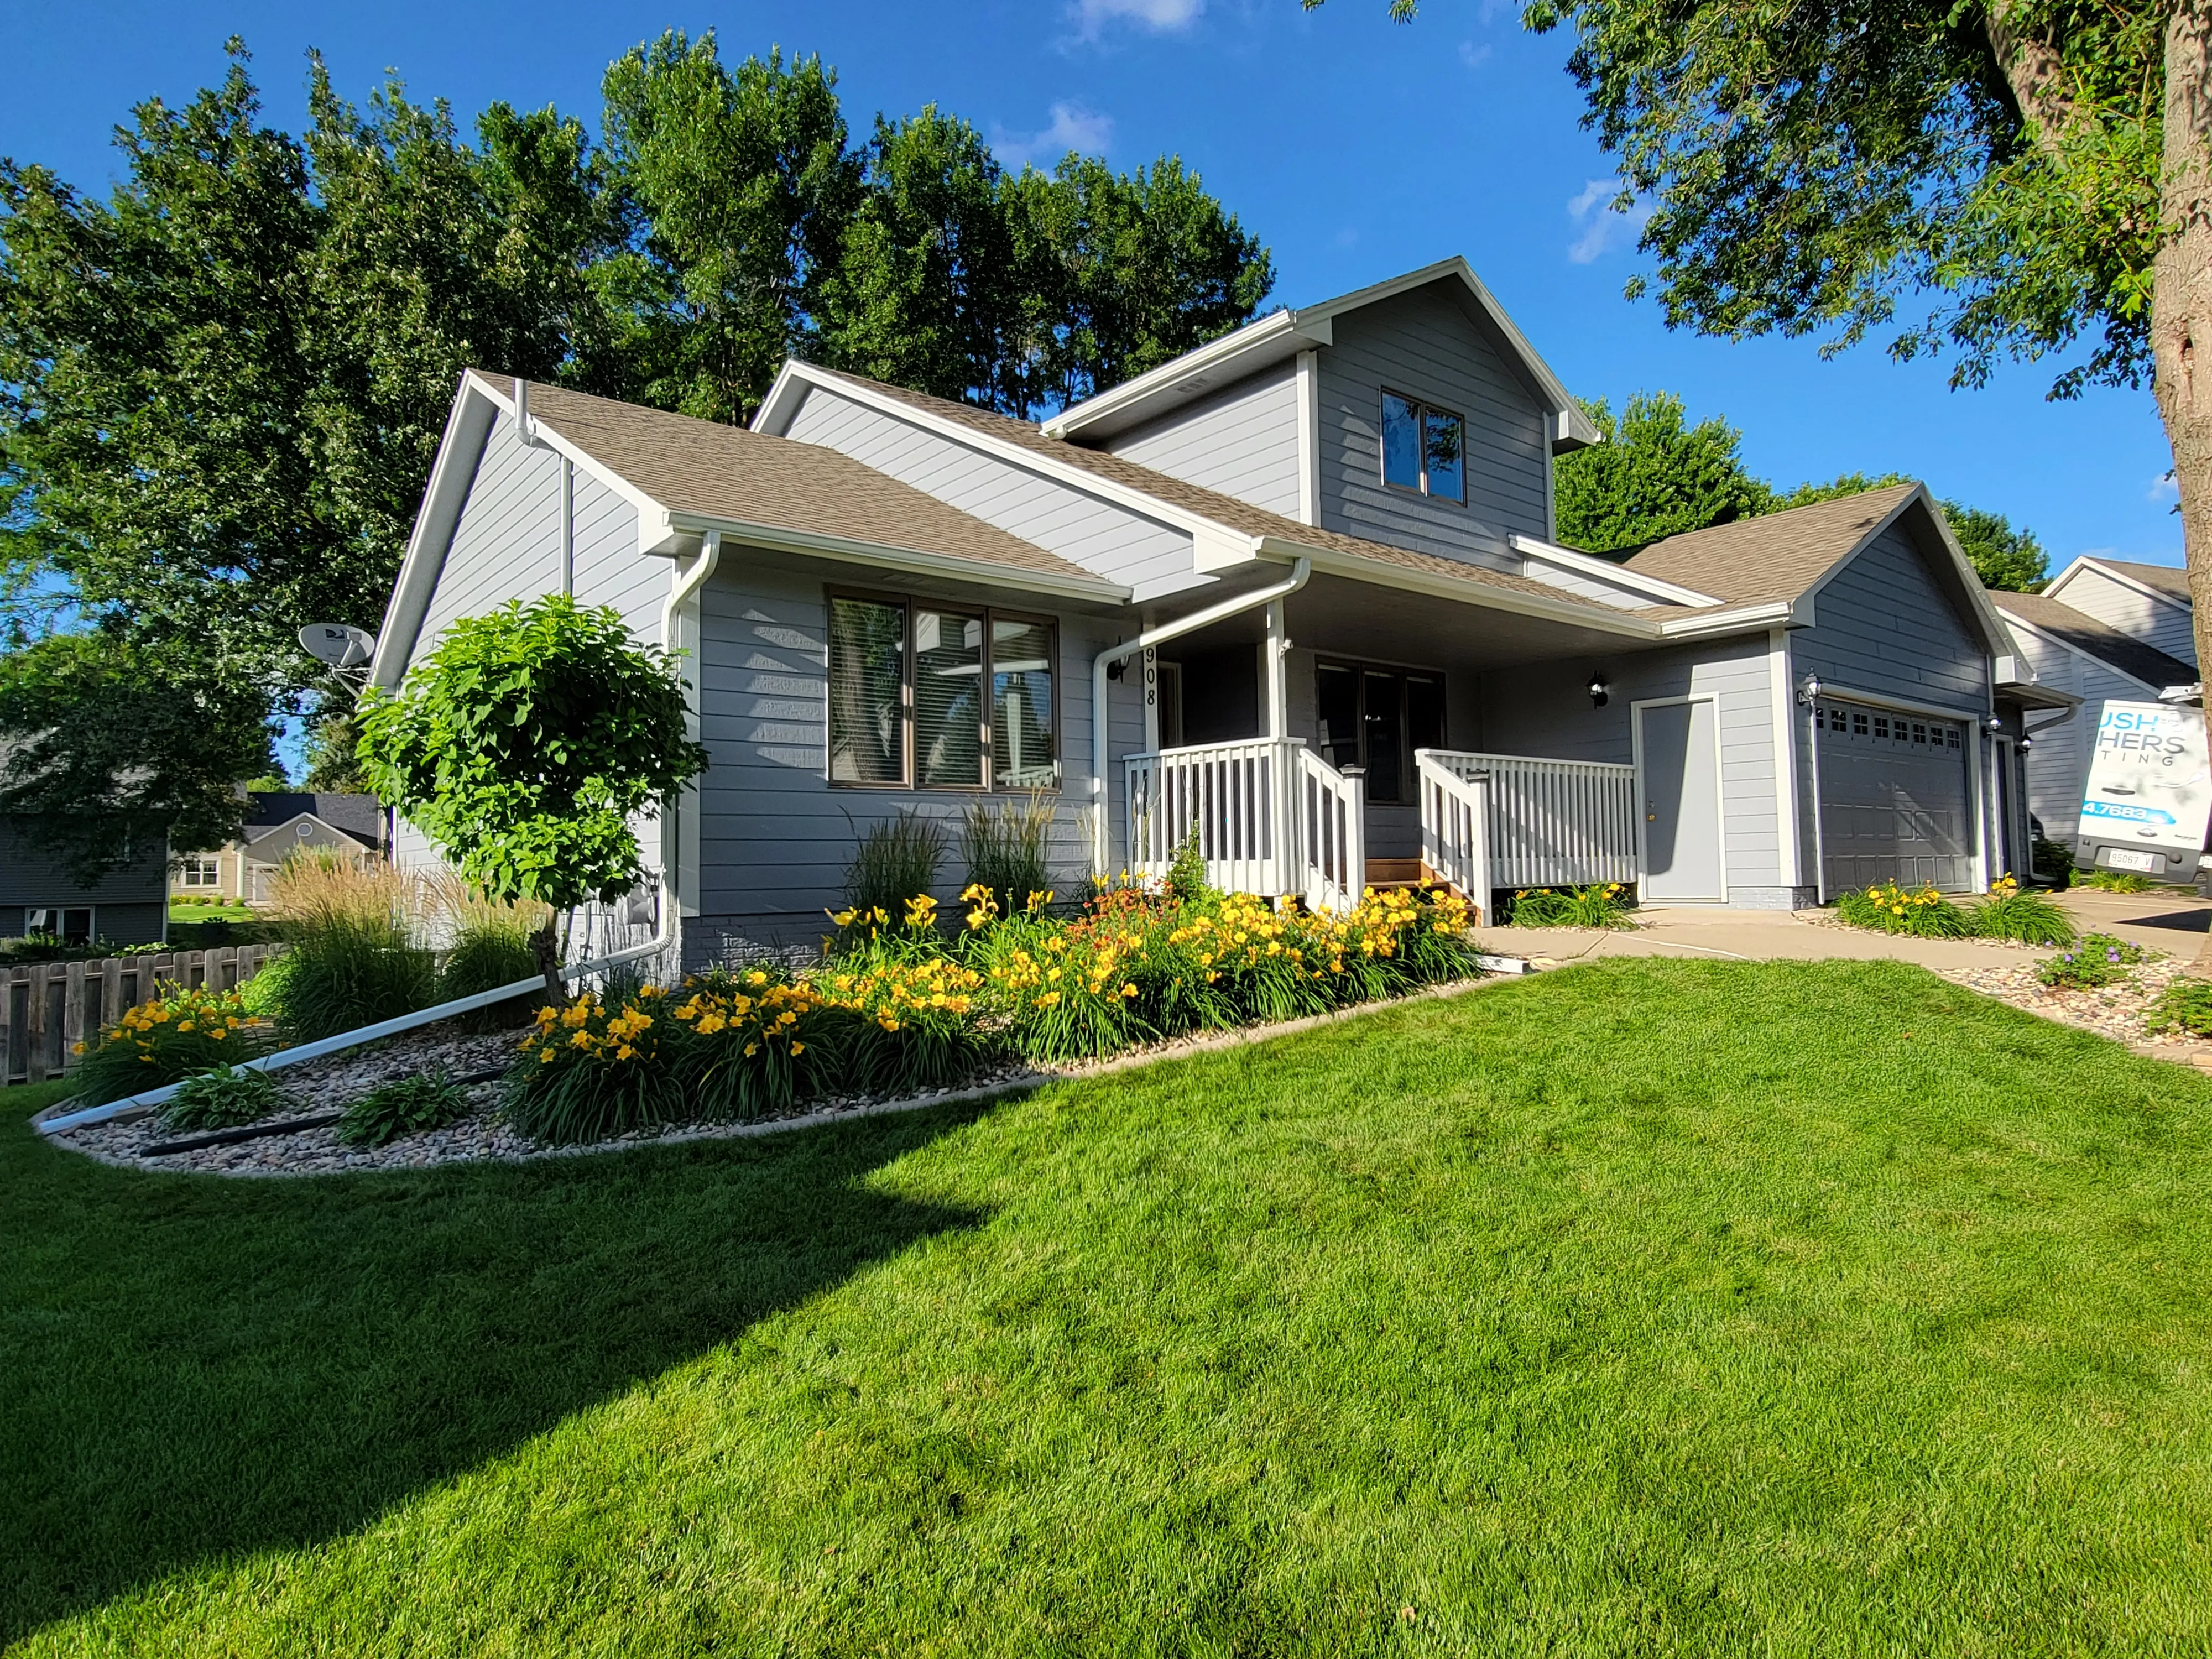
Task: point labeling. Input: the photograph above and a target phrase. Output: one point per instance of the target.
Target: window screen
(867, 728)
(1022, 730)
(948, 690)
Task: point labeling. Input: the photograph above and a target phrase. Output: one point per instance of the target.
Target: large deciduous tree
(1654, 475)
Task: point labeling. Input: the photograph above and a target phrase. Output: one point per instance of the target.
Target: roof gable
(1788, 556)
(2166, 583)
(2142, 662)
(1283, 334)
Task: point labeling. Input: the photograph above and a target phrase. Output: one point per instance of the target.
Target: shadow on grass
(198, 1368)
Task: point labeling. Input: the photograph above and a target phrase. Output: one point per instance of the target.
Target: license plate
(2122, 858)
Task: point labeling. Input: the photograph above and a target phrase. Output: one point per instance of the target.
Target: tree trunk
(2181, 309)
(546, 944)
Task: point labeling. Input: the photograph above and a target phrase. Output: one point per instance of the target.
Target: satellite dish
(338, 644)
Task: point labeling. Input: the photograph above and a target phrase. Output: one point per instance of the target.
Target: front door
(1679, 774)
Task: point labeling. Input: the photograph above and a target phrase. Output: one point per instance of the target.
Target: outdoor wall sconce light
(1117, 668)
(1994, 722)
(1598, 690)
(1809, 689)
(2025, 744)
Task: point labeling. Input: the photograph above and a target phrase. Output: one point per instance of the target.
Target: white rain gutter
(680, 589)
(1302, 568)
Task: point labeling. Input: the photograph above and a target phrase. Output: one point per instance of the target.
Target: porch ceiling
(1331, 614)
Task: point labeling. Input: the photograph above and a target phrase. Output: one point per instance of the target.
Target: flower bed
(2005, 912)
(900, 1007)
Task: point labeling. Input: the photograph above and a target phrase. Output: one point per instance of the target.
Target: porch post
(1278, 687)
(1152, 701)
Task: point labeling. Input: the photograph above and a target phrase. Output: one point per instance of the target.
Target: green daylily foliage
(523, 745)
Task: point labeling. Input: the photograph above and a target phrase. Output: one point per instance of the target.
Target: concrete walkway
(2166, 920)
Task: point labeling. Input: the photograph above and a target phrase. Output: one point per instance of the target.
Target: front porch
(1271, 817)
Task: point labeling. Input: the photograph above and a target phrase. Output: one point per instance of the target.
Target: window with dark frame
(1424, 448)
(931, 696)
(1379, 717)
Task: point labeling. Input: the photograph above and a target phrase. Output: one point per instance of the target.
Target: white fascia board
(1216, 364)
(650, 513)
(1078, 478)
(468, 425)
(2091, 561)
(1605, 570)
(2089, 657)
(1377, 573)
(1740, 619)
(878, 556)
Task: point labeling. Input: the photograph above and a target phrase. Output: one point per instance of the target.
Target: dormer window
(1424, 448)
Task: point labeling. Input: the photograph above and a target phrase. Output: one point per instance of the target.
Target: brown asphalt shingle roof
(2129, 655)
(1225, 510)
(691, 466)
(2163, 577)
(1778, 556)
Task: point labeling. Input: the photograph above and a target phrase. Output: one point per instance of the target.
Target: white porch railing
(1271, 817)
(1454, 826)
(1545, 823)
(1332, 822)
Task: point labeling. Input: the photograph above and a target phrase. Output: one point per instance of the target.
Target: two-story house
(1296, 592)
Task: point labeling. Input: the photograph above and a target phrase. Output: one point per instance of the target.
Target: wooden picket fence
(47, 1008)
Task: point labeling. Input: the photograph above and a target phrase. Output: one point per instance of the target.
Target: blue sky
(1356, 147)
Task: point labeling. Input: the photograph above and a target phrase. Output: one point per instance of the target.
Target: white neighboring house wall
(2119, 601)
(2058, 759)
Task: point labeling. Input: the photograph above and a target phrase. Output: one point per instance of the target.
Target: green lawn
(1644, 1308)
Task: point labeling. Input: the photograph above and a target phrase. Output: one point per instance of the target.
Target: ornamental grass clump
(227, 1097)
(2092, 961)
(1005, 848)
(2115, 881)
(896, 859)
(352, 959)
(1917, 913)
(490, 945)
(177, 1035)
(1599, 905)
(2030, 918)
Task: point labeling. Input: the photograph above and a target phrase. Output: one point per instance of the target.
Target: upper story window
(1424, 448)
(939, 697)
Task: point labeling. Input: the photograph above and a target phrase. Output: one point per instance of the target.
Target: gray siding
(1108, 539)
(1883, 623)
(1242, 441)
(1544, 710)
(2058, 763)
(2156, 621)
(506, 544)
(1425, 346)
(609, 569)
(774, 836)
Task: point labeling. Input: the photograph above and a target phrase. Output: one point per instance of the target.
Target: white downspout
(1100, 796)
(675, 821)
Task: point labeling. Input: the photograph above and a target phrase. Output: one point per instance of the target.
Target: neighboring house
(2091, 661)
(38, 896)
(1297, 589)
(278, 825)
(2145, 602)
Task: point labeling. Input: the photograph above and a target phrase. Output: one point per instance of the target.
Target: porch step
(1395, 873)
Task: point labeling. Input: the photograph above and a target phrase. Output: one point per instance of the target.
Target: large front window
(924, 695)
(1376, 717)
(1424, 448)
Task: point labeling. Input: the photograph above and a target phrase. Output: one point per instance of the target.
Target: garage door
(1893, 800)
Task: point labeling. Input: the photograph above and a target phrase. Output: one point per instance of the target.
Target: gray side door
(1679, 774)
(1893, 800)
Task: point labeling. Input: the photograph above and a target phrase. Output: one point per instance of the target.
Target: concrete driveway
(2168, 919)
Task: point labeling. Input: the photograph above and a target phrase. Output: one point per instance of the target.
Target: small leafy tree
(523, 745)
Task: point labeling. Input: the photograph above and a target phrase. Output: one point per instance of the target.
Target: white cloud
(1473, 56)
(1603, 227)
(1073, 127)
(1092, 17)
(2164, 489)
